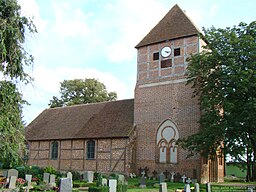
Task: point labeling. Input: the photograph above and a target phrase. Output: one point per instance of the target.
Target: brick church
(126, 136)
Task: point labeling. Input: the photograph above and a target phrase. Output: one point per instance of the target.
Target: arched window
(90, 149)
(54, 150)
(167, 135)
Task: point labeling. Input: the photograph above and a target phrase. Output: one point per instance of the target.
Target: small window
(176, 52)
(54, 150)
(91, 149)
(156, 56)
(166, 63)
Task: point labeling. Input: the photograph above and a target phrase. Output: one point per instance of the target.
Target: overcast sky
(96, 39)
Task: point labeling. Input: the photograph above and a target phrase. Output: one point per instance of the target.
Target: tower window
(156, 56)
(54, 150)
(91, 149)
(166, 63)
(176, 52)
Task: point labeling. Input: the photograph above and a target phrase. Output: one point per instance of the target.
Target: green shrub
(50, 169)
(76, 175)
(99, 189)
(121, 188)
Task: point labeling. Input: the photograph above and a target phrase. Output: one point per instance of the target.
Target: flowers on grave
(20, 182)
(35, 179)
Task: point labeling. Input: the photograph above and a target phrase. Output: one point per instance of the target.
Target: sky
(81, 39)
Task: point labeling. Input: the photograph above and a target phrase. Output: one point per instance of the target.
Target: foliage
(76, 175)
(50, 169)
(224, 79)
(79, 91)
(98, 189)
(13, 58)
(11, 125)
(35, 171)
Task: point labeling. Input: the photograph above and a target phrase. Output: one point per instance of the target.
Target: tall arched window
(90, 149)
(167, 135)
(54, 150)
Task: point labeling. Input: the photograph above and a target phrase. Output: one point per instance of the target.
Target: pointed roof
(98, 120)
(175, 24)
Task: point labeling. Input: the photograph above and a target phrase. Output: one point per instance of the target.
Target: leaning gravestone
(112, 185)
(161, 178)
(46, 178)
(12, 184)
(163, 187)
(65, 185)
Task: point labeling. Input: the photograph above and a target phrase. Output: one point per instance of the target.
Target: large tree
(224, 79)
(13, 58)
(79, 91)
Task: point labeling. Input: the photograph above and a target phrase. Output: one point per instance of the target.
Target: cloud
(30, 9)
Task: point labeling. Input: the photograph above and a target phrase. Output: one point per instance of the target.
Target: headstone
(163, 187)
(183, 178)
(104, 182)
(142, 182)
(208, 187)
(188, 180)
(12, 172)
(5, 174)
(121, 179)
(46, 178)
(197, 188)
(161, 178)
(194, 181)
(88, 176)
(172, 176)
(65, 185)
(28, 178)
(187, 188)
(69, 175)
(52, 180)
(112, 185)
(12, 184)
(132, 175)
(250, 189)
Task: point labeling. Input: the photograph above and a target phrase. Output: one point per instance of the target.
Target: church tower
(164, 109)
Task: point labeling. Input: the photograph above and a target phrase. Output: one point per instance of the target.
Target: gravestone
(188, 180)
(112, 185)
(65, 185)
(28, 178)
(104, 182)
(69, 175)
(197, 188)
(208, 187)
(52, 180)
(163, 187)
(5, 173)
(187, 188)
(172, 176)
(12, 183)
(12, 172)
(142, 182)
(194, 181)
(161, 178)
(121, 179)
(183, 178)
(46, 178)
(132, 175)
(88, 176)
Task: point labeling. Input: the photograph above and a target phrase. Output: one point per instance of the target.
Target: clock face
(166, 52)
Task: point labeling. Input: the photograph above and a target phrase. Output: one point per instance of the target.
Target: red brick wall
(161, 94)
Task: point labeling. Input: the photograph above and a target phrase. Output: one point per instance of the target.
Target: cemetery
(33, 178)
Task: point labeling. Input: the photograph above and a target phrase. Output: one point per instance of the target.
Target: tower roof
(175, 24)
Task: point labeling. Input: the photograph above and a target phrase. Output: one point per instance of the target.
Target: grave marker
(183, 178)
(12, 184)
(161, 178)
(172, 176)
(65, 185)
(163, 187)
(46, 178)
(12, 172)
(197, 188)
(112, 185)
(104, 182)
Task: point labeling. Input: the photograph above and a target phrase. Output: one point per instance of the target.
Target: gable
(175, 24)
(98, 120)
